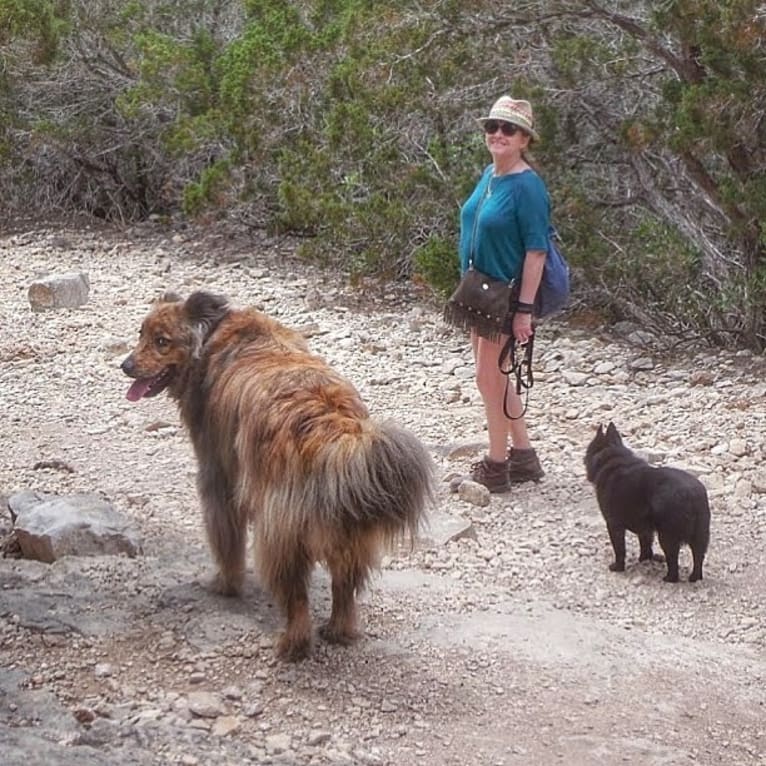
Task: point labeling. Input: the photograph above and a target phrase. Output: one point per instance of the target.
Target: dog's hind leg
(286, 571)
(671, 546)
(698, 556)
(349, 567)
(227, 535)
(700, 538)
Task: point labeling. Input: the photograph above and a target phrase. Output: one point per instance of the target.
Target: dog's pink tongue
(138, 389)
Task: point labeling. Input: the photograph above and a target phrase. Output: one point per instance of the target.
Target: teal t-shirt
(504, 218)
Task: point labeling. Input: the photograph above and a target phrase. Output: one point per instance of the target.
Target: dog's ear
(169, 296)
(613, 434)
(203, 308)
(204, 311)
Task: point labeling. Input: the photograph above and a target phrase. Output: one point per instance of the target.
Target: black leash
(516, 359)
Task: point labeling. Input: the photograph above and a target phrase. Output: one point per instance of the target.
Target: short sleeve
(533, 212)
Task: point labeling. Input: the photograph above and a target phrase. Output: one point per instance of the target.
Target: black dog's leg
(617, 536)
(646, 540)
(671, 546)
(698, 555)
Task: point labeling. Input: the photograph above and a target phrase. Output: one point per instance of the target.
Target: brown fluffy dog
(286, 444)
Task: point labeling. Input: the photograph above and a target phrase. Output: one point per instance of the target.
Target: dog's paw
(670, 577)
(292, 648)
(694, 577)
(334, 635)
(615, 567)
(224, 586)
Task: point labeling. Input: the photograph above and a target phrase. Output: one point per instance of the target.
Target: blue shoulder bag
(553, 293)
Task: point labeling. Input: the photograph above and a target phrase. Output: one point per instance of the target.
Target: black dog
(643, 499)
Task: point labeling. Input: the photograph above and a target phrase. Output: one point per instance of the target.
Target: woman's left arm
(531, 275)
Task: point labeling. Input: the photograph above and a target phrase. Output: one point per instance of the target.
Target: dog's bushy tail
(381, 480)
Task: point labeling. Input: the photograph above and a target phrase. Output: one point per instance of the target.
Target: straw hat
(517, 112)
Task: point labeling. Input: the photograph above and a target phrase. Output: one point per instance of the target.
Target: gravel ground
(512, 644)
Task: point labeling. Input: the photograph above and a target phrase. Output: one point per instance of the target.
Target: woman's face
(504, 139)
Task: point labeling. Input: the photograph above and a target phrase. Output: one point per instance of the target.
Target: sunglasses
(506, 128)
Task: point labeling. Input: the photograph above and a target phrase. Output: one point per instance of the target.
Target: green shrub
(210, 191)
(351, 123)
(437, 263)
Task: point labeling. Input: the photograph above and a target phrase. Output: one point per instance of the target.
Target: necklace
(495, 176)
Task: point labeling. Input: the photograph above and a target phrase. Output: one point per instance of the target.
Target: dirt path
(511, 645)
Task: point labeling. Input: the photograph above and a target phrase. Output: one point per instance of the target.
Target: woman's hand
(522, 327)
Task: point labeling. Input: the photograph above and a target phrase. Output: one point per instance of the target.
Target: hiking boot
(523, 465)
(492, 474)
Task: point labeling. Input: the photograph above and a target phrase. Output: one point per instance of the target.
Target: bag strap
(516, 359)
(479, 205)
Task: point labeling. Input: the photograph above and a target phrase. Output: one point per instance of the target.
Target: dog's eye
(162, 342)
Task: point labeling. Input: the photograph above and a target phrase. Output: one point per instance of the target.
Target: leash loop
(516, 360)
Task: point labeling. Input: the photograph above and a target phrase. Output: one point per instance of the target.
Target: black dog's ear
(613, 434)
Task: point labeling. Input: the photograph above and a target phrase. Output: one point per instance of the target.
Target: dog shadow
(207, 619)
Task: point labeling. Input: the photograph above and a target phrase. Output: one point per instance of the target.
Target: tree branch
(687, 69)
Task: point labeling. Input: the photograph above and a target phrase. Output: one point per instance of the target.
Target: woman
(504, 232)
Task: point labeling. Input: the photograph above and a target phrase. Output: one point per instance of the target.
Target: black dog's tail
(702, 525)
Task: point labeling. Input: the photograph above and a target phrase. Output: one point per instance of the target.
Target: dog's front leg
(226, 533)
(646, 541)
(617, 536)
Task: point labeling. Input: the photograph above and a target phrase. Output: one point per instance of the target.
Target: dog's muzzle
(129, 366)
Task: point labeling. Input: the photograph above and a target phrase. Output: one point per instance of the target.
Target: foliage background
(351, 124)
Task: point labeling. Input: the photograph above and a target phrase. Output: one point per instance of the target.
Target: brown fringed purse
(482, 304)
